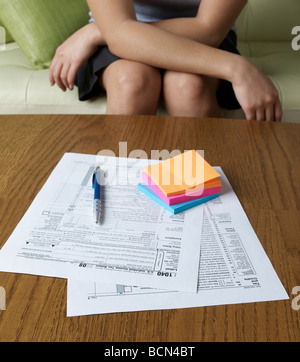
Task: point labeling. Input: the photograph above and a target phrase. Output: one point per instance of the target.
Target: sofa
(265, 36)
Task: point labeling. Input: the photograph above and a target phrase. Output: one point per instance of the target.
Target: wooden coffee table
(261, 161)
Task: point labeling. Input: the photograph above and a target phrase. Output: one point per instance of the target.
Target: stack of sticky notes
(181, 182)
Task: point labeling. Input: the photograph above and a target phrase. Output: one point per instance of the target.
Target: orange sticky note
(182, 173)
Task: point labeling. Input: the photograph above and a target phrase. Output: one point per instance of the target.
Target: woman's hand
(70, 55)
(256, 93)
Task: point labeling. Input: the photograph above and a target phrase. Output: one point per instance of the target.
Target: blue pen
(97, 195)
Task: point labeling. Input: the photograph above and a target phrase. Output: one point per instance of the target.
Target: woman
(131, 41)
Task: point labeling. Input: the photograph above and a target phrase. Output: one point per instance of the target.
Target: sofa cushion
(280, 63)
(40, 26)
(268, 20)
(265, 37)
(26, 90)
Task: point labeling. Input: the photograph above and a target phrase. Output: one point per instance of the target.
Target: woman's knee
(134, 83)
(190, 94)
(191, 86)
(137, 79)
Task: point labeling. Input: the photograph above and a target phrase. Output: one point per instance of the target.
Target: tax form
(137, 243)
(233, 269)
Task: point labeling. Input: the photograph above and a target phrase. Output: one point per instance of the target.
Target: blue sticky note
(174, 209)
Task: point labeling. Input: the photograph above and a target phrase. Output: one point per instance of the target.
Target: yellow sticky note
(182, 173)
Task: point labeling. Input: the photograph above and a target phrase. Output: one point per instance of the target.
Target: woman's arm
(145, 43)
(70, 55)
(211, 25)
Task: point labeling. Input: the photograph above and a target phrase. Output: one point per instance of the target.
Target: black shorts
(89, 87)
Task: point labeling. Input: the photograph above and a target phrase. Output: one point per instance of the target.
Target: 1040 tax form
(233, 268)
(137, 243)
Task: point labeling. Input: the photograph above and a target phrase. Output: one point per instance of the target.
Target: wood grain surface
(262, 163)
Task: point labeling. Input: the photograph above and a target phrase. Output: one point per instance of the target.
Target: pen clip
(97, 169)
(93, 180)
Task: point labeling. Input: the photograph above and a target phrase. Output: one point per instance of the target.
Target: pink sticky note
(173, 200)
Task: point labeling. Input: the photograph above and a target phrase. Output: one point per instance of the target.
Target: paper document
(138, 242)
(234, 268)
